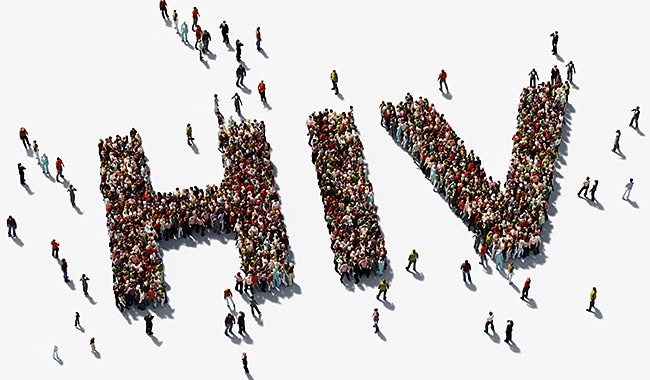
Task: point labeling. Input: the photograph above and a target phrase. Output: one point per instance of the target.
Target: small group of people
(203, 37)
(508, 218)
(347, 195)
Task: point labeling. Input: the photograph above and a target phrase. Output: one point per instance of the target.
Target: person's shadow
(559, 57)
(195, 148)
(494, 337)
(28, 189)
(81, 328)
(470, 286)
(261, 50)
(155, 340)
(78, 210)
(340, 96)
(381, 335)
(71, 284)
(58, 360)
(18, 241)
(97, 354)
(447, 95)
(632, 203)
(597, 313)
(205, 63)
(91, 299)
(267, 106)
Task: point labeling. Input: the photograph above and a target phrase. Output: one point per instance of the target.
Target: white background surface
(73, 72)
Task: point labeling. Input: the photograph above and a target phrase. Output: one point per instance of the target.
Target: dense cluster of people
(138, 218)
(347, 195)
(507, 220)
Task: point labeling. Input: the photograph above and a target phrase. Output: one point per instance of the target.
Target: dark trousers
(335, 87)
(583, 188)
(346, 274)
(591, 305)
(380, 293)
(263, 96)
(26, 143)
(195, 21)
(508, 337)
(239, 285)
(524, 293)
(409, 266)
(489, 324)
(555, 48)
(164, 13)
(444, 81)
(635, 121)
(254, 308)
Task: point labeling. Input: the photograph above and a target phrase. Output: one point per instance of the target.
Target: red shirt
(442, 76)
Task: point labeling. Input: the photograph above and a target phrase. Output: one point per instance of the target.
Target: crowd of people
(138, 217)
(348, 197)
(509, 218)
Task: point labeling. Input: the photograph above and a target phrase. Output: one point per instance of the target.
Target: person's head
(618, 131)
(595, 182)
(527, 278)
(594, 288)
(587, 178)
(466, 262)
(376, 309)
(631, 180)
(491, 314)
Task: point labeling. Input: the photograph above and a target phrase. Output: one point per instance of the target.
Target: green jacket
(383, 285)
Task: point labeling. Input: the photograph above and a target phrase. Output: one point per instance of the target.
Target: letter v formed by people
(516, 213)
(136, 216)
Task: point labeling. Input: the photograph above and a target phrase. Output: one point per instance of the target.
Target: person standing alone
(533, 77)
(55, 248)
(592, 299)
(442, 79)
(555, 36)
(334, 77)
(163, 9)
(21, 173)
(258, 38)
(413, 259)
(71, 190)
(635, 117)
(616, 141)
(148, 324)
(244, 361)
(59, 168)
(570, 70)
(524, 291)
(261, 88)
(628, 189)
(489, 322)
(375, 320)
(84, 283)
(509, 325)
(383, 288)
(11, 226)
(188, 132)
(466, 267)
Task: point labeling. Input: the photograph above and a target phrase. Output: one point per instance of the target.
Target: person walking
(36, 150)
(628, 189)
(592, 192)
(163, 9)
(555, 36)
(59, 168)
(11, 226)
(261, 88)
(188, 133)
(195, 17)
(227, 296)
(72, 190)
(84, 283)
(482, 254)
(229, 322)
(45, 163)
(240, 73)
(239, 283)
(238, 45)
(184, 32)
(585, 187)
(617, 138)
(258, 38)
(489, 322)
(253, 304)
(592, 299)
(334, 77)
(55, 353)
(55, 248)
(511, 272)
(21, 173)
(413, 260)
(524, 291)
(375, 320)
(570, 70)
(175, 20)
(244, 361)
(64, 269)
(241, 322)
(533, 77)
(92, 345)
(383, 288)
(509, 324)
(76, 319)
(224, 32)
(199, 46)
(636, 111)
(148, 324)
(466, 267)
(24, 137)
(238, 103)
(442, 79)
(206, 38)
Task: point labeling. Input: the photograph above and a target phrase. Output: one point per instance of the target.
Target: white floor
(73, 72)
